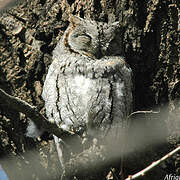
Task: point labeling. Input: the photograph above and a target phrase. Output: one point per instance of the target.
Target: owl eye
(86, 39)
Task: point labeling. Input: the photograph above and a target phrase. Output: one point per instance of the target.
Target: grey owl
(88, 86)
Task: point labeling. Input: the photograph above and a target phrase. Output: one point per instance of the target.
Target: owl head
(92, 38)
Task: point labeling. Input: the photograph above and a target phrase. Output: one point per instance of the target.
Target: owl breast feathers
(88, 85)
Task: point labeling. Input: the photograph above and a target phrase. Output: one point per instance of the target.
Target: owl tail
(33, 131)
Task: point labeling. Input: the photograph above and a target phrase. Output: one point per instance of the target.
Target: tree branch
(32, 112)
(153, 165)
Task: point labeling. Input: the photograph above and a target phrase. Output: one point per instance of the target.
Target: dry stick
(153, 165)
(32, 112)
(142, 112)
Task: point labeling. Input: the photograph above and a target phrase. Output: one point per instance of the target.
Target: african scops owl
(89, 85)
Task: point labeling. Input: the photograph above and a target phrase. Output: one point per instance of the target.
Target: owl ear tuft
(75, 20)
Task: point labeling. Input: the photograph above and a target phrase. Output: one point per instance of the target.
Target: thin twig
(153, 165)
(142, 112)
(32, 112)
(114, 174)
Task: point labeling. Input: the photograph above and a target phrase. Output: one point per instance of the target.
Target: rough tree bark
(29, 33)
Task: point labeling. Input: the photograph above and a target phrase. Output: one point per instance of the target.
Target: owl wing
(57, 96)
(50, 93)
(116, 94)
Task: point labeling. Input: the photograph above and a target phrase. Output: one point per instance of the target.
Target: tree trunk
(29, 33)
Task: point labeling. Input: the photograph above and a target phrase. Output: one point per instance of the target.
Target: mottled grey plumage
(88, 84)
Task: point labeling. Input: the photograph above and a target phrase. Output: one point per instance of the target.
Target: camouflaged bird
(88, 87)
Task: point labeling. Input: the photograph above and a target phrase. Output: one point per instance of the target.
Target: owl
(88, 88)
